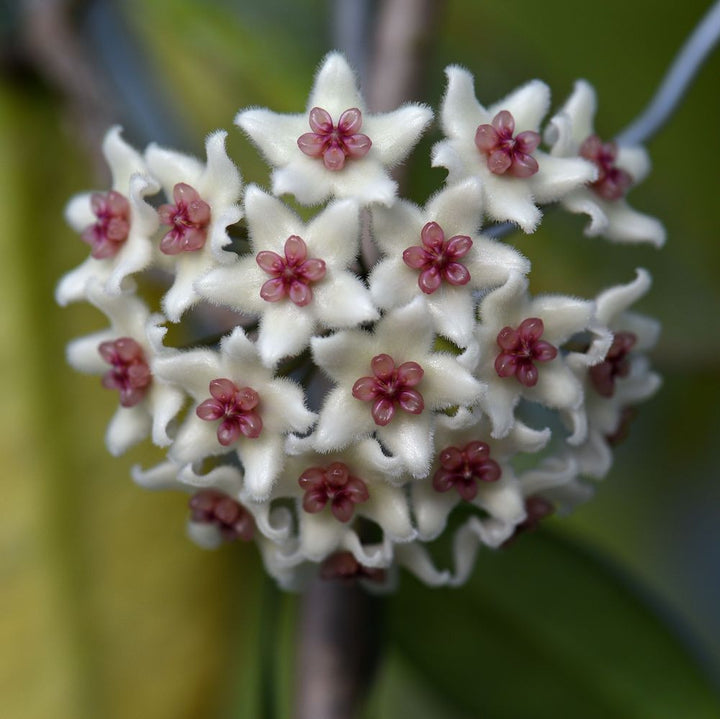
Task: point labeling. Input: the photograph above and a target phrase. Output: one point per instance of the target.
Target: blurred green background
(106, 609)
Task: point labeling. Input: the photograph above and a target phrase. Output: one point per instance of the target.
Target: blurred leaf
(401, 690)
(107, 610)
(544, 629)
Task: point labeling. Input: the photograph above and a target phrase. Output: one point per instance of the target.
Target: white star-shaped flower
(335, 148)
(332, 490)
(296, 277)
(202, 204)
(622, 380)
(390, 382)
(124, 354)
(438, 253)
(519, 339)
(239, 406)
(118, 225)
(571, 134)
(223, 481)
(463, 444)
(498, 145)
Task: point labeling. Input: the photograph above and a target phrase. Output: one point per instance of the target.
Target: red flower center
(236, 407)
(616, 364)
(108, 234)
(613, 182)
(130, 374)
(333, 484)
(462, 469)
(188, 220)
(291, 275)
(209, 506)
(335, 143)
(505, 153)
(345, 567)
(521, 348)
(437, 258)
(389, 387)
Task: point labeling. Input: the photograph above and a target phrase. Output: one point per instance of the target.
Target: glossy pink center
(616, 364)
(188, 220)
(344, 567)
(437, 258)
(130, 374)
(333, 484)
(235, 407)
(536, 509)
(390, 386)
(612, 182)
(209, 506)
(506, 153)
(109, 232)
(462, 469)
(335, 143)
(292, 275)
(521, 349)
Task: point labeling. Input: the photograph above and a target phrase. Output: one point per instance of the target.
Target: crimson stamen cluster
(437, 258)
(335, 143)
(612, 182)
(108, 234)
(209, 506)
(333, 484)
(236, 407)
(292, 275)
(344, 567)
(389, 387)
(462, 469)
(521, 348)
(188, 220)
(130, 373)
(505, 153)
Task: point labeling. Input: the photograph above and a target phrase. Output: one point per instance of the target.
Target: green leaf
(546, 629)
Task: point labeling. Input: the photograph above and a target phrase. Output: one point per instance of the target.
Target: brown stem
(52, 45)
(403, 36)
(338, 648)
(405, 30)
(339, 632)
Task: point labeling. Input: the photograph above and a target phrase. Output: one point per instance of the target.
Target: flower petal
(394, 134)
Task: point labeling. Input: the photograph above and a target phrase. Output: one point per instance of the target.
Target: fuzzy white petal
(220, 183)
(461, 113)
(237, 286)
(343, 301)
(628, 225)
(274, 134)
(446, 383)
(394, 134)
(615, 300)
(123, 160)
(527, 104)
(128, 426)
(263, 459)
(511, 199)
(558, 176)
(409, 437)
(343, 420)
(335, 88)
(168, 165)
(285, 331)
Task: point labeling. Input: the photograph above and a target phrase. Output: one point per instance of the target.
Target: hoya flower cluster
(380, 373)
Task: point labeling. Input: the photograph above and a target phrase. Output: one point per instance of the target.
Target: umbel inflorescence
(385, 363)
